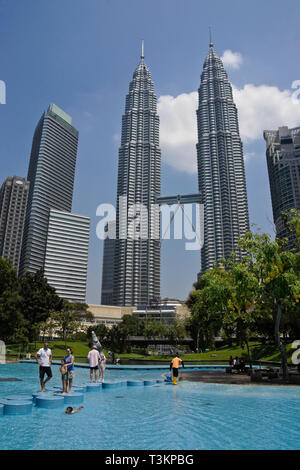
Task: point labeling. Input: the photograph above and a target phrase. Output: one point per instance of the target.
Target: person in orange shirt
(174, 367)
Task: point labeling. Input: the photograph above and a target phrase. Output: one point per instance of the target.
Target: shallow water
(189, 416)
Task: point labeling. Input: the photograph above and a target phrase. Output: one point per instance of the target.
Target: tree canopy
(25, 303)
(258, 295)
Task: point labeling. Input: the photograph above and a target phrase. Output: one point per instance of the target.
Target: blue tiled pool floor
(189, 416)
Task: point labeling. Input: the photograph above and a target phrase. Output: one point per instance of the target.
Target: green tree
(47, 328)
(116, 340)
(8, 277)
(208, 305)
(241, 314)
(38, 301)
(177, 331)
(70, 319)
(291, 220)
(131, 326)
(12, 323)
(154, 329)
(277, 273)
(11, 319)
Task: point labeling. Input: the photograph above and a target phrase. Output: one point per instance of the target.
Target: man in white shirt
(44, 359)
(94, 357)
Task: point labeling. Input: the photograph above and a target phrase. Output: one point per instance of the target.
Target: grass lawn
(80, 349)
(258, 351)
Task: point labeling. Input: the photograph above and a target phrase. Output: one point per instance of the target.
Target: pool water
(189, 416)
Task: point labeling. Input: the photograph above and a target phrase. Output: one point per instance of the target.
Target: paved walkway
(220, 377)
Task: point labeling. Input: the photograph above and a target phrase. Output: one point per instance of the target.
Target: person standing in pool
(44, 359)
(69, 361)
(94, 358)
(64, 376)
(174, 366)
(102, 365)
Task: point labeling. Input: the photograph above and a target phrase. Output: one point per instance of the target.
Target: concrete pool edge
(137, 367)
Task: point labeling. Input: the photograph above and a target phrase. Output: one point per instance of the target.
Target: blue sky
(81, 55)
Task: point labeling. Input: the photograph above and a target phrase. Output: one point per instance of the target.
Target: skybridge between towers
(179, 199)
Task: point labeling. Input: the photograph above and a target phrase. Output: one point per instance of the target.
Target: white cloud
(259, 107)
(264, 107)
(232, 59)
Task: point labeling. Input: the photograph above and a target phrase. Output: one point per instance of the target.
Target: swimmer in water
(72, 409)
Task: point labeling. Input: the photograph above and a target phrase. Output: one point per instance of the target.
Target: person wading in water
(174, 366)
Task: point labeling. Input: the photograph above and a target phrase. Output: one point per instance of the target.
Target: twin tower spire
(211, 44)
(142, 56)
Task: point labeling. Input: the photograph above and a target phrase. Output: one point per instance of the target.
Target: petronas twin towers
(221, 177)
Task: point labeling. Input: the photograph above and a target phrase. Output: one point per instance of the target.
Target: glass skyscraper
(13, 202)
(283, 160)
(137, 260)
(66, 254)
(221, 172)
(108, 264)
(51, 176)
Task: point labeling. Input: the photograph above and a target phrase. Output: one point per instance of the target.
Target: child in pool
(102, 365)
(72, 409)
(64, 375)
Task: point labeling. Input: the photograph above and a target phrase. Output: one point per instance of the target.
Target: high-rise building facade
(51, 175)
(221, 172)
(108, 264)
(283, 160)
(137, 259)
(13, 202)
(66, 254)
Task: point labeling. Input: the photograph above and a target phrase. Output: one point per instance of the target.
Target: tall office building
(283, 160)
(108, 264)
(221, 172)
(66, 254)
(13, 202)
(137, 261)
(51, 175)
